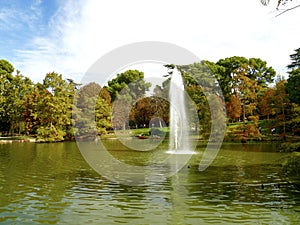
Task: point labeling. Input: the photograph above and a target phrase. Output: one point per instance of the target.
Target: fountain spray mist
(179, 125)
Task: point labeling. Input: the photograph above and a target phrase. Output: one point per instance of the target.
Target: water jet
(179, 142)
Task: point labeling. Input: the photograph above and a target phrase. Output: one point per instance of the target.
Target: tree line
(57, 108)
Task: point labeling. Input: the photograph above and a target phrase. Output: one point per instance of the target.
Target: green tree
(295, 58)
(191, 77)
(84, 111)
(6, 70)
(293, 82)
(62, 93)
(200, 84)
(132, 79)
(48, 109)
(293, 85)
(13, 90)
(125, 90)
(201, 87)
(243, 78)
(150, 109)
(31, 108)
(203, 110)
(92, 111)
(293, 91)
(86, 92)
(281, 105)
(16, 93)
(247, 89)
(103, 112)
(294, 119)
(226, 70)
(274, 104)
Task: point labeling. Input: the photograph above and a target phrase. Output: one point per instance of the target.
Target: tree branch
(287, 10)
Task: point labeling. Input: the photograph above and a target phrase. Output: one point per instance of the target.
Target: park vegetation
(260, 104)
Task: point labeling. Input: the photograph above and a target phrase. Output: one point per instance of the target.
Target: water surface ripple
(52, 184)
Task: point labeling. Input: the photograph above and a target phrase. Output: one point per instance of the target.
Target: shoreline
(275, 139)
(15, 139)
(290, 145)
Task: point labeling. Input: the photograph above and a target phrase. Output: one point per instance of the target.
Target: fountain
(179, 125)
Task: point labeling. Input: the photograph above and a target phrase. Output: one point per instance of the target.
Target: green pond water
(52, 184)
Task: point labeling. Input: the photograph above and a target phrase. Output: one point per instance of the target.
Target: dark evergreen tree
(293, 82)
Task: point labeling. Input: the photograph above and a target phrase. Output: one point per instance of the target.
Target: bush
(49, 134)
(292, 164)
(290, 147)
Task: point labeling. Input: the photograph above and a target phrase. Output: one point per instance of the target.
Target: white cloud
(81, 32)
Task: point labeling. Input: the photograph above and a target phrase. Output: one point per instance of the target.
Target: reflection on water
(52, 184)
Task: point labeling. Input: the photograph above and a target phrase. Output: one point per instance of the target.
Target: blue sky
(22, 21)
(40, 36)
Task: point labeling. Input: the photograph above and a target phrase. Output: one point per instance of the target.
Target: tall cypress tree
(295, 58)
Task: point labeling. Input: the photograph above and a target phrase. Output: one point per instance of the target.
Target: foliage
(265, 102)
(292, 164)
(295, 58)
(49, 134)
(293, 85)
(293, 82)
(234, 108)
(125, 90)
(290, 147)
(150, 109)
(13, 90)
(132, 79)
(48, 110)
(293, 121)
(237, 68)
(103, 112)
(241, 81)
(6, 69)
(200, 85)
(245, 131)
(92, 111)
(20, 87)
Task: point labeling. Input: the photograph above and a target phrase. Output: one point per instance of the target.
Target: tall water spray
(179, 127)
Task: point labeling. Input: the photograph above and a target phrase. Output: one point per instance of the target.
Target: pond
(52, 184)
